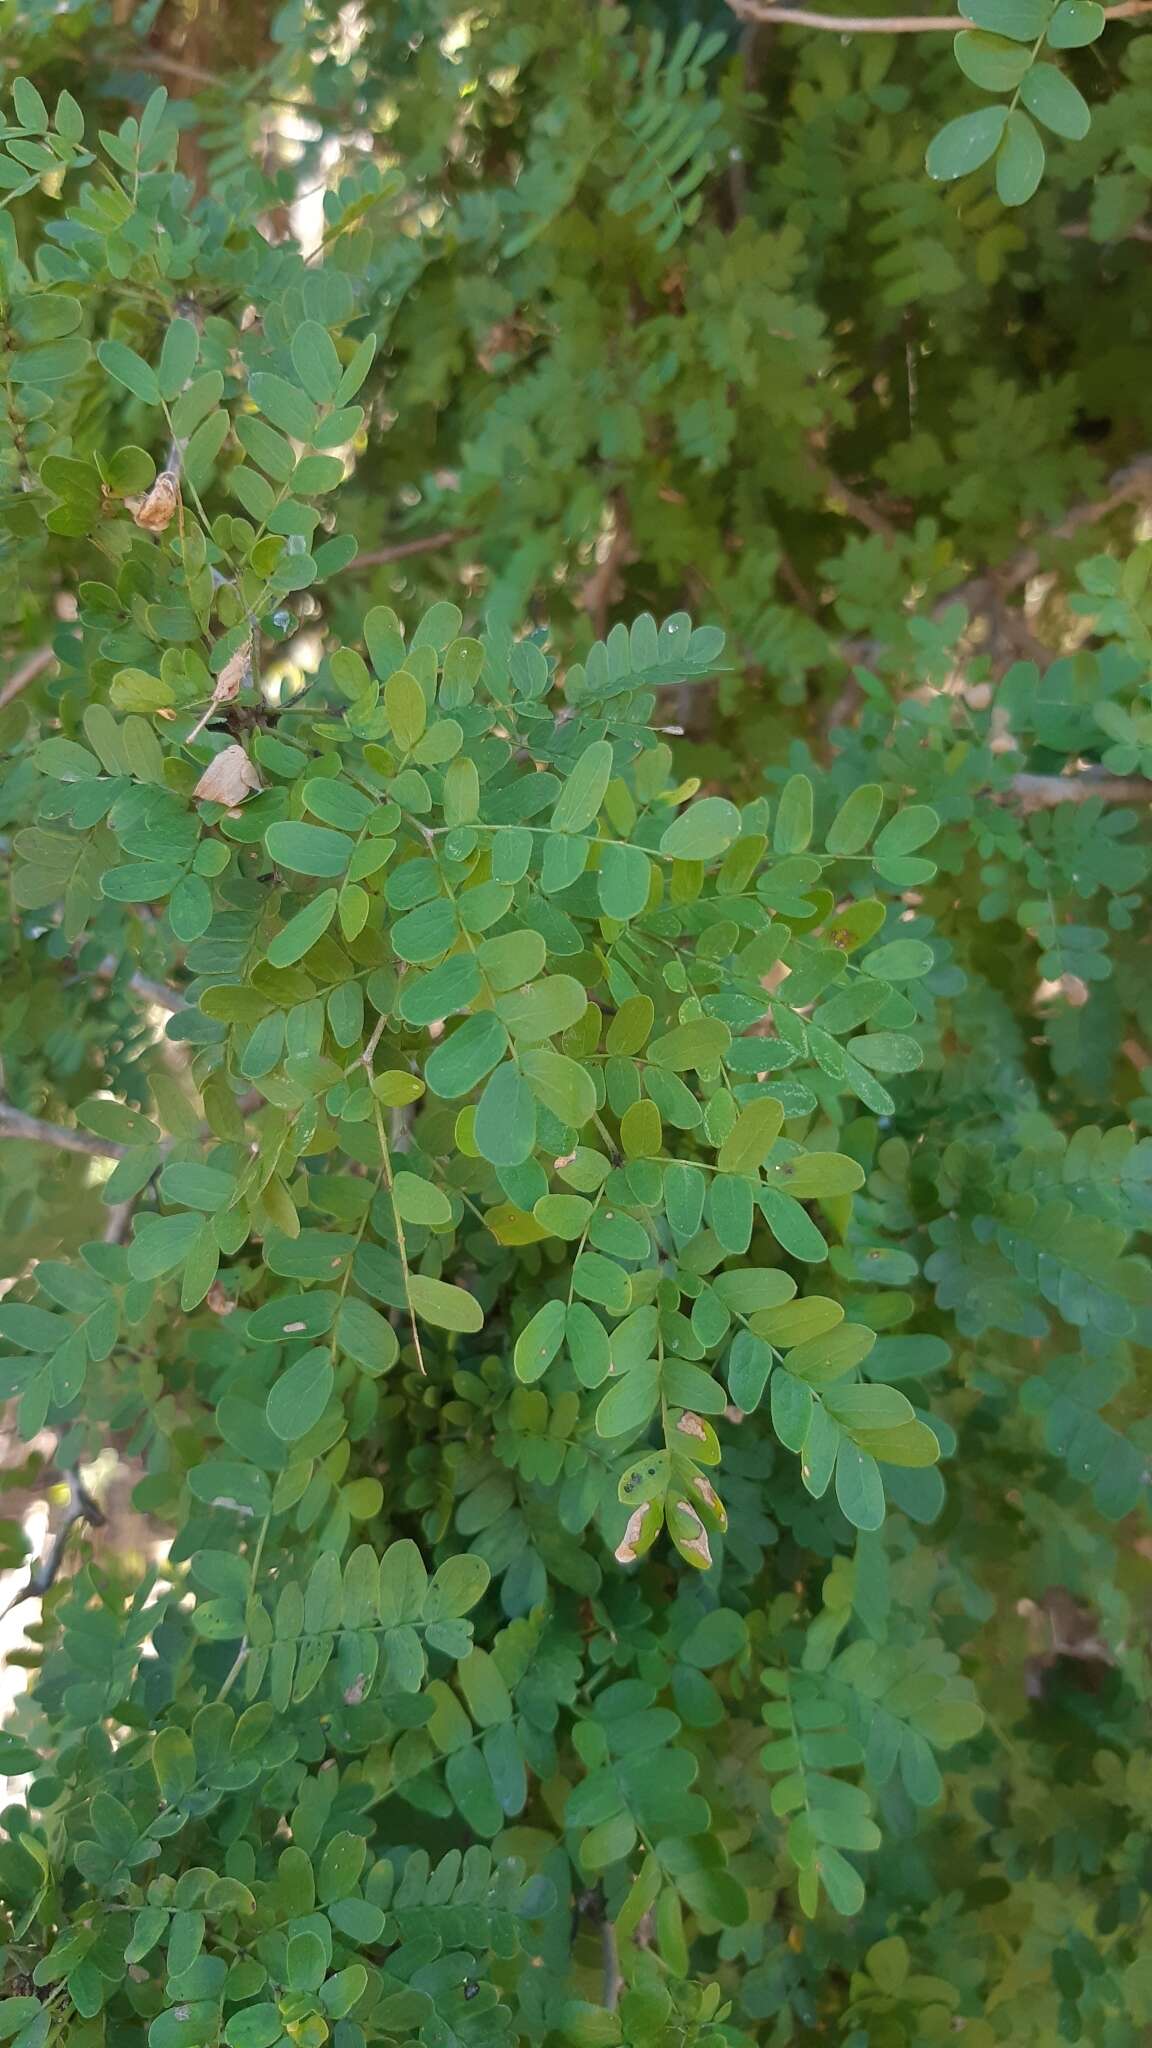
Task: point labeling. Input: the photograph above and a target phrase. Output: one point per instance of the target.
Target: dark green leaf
(965, 143)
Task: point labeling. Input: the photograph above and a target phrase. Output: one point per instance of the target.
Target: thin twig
(156, 992)
(1040, 792)
(842, 496)
(985, 590)
(248, 87)
(1134, 481)
(366, 1061)
(81, 1508)
(752, 40)
(603, 585)
(176, 67)
(613, 1980)
(33, 1130)
(116, 1227)
(400, 550)
(1083, 231)
(242, 1654)
(890, 24)
(33, 666)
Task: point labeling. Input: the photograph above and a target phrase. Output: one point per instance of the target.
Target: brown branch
(841, 497)
(32, 1130)
(890, 24)
(155, 992)
(175, 67)
(1040, 792)
(158, 993)
(27, 672)
(119, 1222)
(985, 590)
(155, 60)
(81, 1508)
(195, 74)
(603, 586)
(400, 550)
(850, 24)
(752, 38)
(1081, 231)
(1134, 481)
(613, 1978)
(790, 575)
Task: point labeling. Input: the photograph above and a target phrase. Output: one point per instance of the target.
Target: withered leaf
(228, 779)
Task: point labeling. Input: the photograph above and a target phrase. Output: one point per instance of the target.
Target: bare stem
(366, 1059)
(428, 544)
(241, 1657)
(34, 1131)
(156, 992)
(81, 1508)
(26, 673)
(1040, 792)
(613, 1980)
(889, 24)
(1082, 231)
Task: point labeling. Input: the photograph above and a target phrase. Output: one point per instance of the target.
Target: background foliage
(589, 1176)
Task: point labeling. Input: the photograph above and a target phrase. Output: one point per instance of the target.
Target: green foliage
(1002, 54)
(594, 1183)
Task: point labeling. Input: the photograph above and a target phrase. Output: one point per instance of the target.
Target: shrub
(607, 1291)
